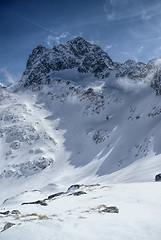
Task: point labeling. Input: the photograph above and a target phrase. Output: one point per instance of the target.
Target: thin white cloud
(130, 55)
(109, 9)
(139, 50)
(149, 39)
(103, 44)
(135, 53)
(152, 39)
(8, 77)
(107, 47)
(125, 53)
(150, 12)
(123, 10)
(130, 85)
(146, 16)
(157, 51)
(55, 39)
(36, 24)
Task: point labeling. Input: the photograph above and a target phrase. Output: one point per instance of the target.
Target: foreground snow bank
(79, 217)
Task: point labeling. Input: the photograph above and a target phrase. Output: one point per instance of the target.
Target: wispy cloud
(149, 41)
(147, 13)
(153, 39)
(109, 9)
(107, 47)
(139, 49)
(125, 10)
(103, 44)
(34, 23)
(130, 85)
(134, 54)
(157, 51)
(58, 38)
(130, 55)
(55, 38)
(8, 77)
(37, 24)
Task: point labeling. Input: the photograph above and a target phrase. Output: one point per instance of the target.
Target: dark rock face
(73, 187)
(98, 137)
(55, 195)
(111, 209)
(41, 202)
(138, 71)
(16, 212)
(30, 167)
(154, 67)
(78, 53)
(156, 82)
(8, 225)
(158, 177)
(78, 193)
(132, 70)
(5, 213)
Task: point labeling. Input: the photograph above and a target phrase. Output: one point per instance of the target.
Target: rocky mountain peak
(77, 54)
(80, 47)
(37, 52)
(80, 43)
(79, 57)
(133, 70)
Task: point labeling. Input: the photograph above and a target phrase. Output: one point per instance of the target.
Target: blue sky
(123, 28)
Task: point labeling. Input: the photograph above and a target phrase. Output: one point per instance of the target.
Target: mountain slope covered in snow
(76, 116)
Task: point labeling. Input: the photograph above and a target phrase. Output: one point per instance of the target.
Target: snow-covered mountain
(76, 116)
(77, 54)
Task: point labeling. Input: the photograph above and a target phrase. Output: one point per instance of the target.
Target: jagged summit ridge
(77, 59)
(76, 54)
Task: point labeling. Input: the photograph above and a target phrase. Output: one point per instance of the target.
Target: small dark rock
(5, 213)
(78, 193)
(158, 177)
(89, 90)
(73, 187)
(55, 195)
(15, 212)
(7, 225)
(41, 202)
(111, 209)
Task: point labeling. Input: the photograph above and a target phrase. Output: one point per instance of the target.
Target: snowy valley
(76, 118)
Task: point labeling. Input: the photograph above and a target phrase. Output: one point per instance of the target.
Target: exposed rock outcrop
(158, 177)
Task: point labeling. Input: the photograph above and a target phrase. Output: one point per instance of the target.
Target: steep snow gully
(78, 118)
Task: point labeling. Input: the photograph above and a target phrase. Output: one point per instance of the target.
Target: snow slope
(67, 127)
(80, 217)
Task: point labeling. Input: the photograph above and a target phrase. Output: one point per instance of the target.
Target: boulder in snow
(5, 213)
(73, 187)
(158, 177)
(78, 193)
(111, 209)
(16, 212)
(7, 225)
(55, 195)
